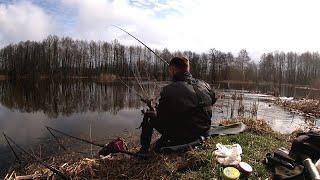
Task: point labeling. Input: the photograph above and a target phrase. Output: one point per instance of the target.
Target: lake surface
(102, 111)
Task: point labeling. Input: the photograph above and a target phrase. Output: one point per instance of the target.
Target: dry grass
(255, 126)
(198, 163)
(309, 107)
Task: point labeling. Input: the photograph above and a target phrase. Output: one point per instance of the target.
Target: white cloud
(23, 21)
(95, 20)
(197, 25)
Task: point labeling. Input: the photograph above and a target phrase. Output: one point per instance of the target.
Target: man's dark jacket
(185, 108)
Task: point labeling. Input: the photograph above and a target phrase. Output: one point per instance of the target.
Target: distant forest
(57, 57)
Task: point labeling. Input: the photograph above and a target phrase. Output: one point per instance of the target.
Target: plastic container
(231, 173)
(245, 168)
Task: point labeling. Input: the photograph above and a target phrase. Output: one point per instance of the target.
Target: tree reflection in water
(66, 97)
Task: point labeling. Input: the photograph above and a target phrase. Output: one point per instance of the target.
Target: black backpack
(306, 145)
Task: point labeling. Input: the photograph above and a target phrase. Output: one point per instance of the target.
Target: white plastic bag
(228, 154)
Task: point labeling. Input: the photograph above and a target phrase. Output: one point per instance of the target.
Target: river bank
(306, 107)
(198, 163)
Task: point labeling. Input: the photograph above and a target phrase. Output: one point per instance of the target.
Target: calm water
(284, 90)
(99, 111)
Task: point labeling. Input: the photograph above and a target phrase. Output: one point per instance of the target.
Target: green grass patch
(254, 147)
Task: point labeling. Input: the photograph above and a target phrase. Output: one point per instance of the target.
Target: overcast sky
(198, 25)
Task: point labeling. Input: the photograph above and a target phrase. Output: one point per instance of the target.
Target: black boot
(146, 135)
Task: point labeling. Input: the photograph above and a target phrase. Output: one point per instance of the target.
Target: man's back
(184, 107)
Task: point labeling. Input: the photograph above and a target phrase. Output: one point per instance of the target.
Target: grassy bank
(198, 163)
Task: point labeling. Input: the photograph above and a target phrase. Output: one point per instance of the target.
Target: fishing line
(136, 92)
(137, 80)
(151, 92)
(57, 140)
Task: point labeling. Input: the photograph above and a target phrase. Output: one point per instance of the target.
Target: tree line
(57, 57)
(290, 68)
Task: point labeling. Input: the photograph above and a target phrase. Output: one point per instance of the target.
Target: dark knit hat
(181, 63)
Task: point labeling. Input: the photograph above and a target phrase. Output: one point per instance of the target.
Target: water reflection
(66, 97)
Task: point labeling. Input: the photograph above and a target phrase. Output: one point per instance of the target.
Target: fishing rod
(74, 137)
(142, 44)
(13, 151)
(96, 144)
(53, 169)
(60, 144)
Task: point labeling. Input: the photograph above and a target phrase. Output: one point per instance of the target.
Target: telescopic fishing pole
(142, 44)
(53, 169)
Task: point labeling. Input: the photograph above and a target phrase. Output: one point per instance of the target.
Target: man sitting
(184, 111)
